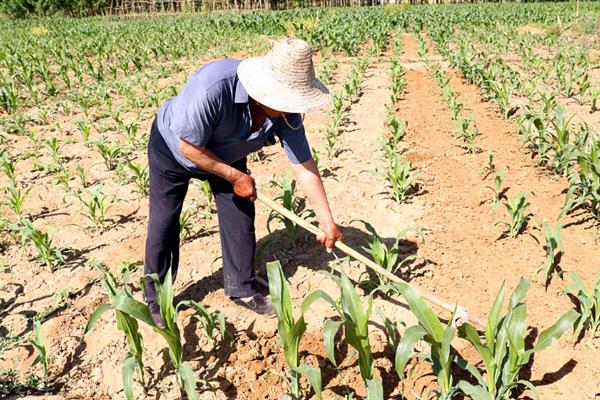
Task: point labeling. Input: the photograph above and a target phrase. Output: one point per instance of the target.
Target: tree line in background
(25, 8)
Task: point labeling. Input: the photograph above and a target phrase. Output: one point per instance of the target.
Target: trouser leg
(168, 187)
(238, 240)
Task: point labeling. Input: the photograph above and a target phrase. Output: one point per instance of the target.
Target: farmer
(227, 110)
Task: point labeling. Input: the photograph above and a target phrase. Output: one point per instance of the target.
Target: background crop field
(442, 117)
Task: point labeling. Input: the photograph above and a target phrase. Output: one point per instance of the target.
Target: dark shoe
(257, 303)
(155, 312)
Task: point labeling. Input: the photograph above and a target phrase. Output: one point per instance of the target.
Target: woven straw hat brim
(264, 88)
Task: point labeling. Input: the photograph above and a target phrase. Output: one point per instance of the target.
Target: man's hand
(332, 235)
(244, 186)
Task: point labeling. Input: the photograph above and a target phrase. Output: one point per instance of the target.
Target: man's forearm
(310, 182)
(208, 161)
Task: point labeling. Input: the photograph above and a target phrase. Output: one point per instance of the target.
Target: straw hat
(284, 78)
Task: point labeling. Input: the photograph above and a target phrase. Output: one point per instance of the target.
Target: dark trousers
(168, 186)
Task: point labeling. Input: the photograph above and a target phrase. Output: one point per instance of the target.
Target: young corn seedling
(594, 95)
(85, 129)
(488, 167)
(387, 257)
(402, 182)
(502, 347)
(497, 188)
(82, 174)
(126, 304)
(291, 332)
(96, 205)
(140, 178)
(287, 185)
(15, 200)
(588, 304)
(63, 177)
(125, 323)
(355, 319)
(208, 196)
(9, 166)
(391, 329)
(438, 336)
(393, 137)
(517, 209)
(110, 153)
(554, 251)
(584, 189)
(46, 253)
(212, 322)
(39, 345)
(186, 220)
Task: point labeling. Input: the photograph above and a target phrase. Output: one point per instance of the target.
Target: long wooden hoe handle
(369, 263)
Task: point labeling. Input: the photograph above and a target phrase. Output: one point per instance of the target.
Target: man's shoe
(257, 303)
(155, 312)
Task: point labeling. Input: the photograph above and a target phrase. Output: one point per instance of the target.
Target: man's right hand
(244, 186)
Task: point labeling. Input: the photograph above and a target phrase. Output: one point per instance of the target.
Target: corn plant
(503, 349)
(584, 186)
(489, 167)
(497, 187)
(46, 252)
(85, 129)
(287, 185)
(39, 345)
(212, 322)
(110, 153)
(186, 218)
(139, 311)
(125, 323)
(63, 177)
(393, 137)
(467, 132)
(82, 173)
(291, 332)
(15, 200)
(401, 181)
(384, 256)
(554, 251)
(8, 166)
(517, 209)
(355, 319)
(392, 331)
(96, 205)
(141, 178)
(438, 336)
(594, 95)
(588, 304)
(208, 196)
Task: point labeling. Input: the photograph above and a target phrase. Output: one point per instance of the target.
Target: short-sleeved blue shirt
(212, 111)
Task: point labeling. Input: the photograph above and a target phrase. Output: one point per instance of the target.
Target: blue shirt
(212, 111)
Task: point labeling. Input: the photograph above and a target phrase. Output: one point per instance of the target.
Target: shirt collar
(240, 96)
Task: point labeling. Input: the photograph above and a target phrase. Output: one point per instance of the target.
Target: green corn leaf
(316, 295)
(135, 308)
(128, 370)
(98, 312)
(330, 329)
(494, 317)
(474, 392)
(552, 334)
(314, 378)
(404, 351)
(519, 293)
(424, 314)
(188, 380)
(374, 388)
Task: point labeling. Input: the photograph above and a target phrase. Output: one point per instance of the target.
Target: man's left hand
(332, 235)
